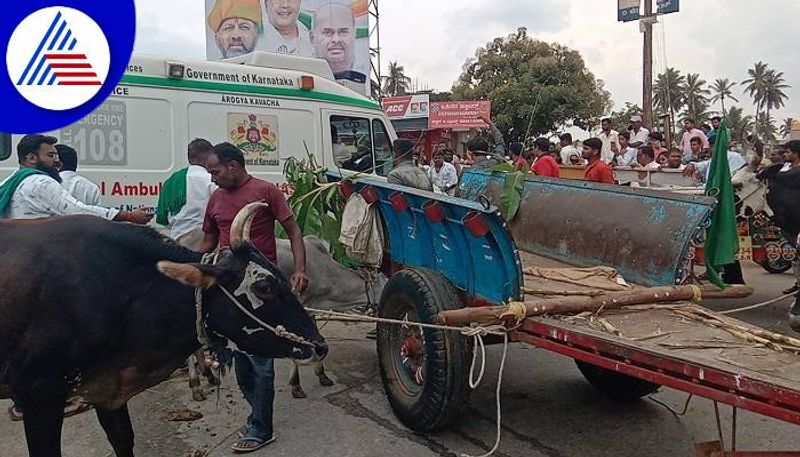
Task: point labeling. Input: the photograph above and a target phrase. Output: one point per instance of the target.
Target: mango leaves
(511, 198)
(317, 204)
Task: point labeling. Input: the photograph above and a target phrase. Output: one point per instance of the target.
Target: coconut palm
(396, 83)
(723, 89)
(786, 127)
(667, 93)
(756, 84)
(765, 127)
(739, 124)
(695, 96)
(774, 95)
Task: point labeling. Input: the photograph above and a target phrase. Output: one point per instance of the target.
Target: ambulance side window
(384, 159)
(5, 146)
(352, 143)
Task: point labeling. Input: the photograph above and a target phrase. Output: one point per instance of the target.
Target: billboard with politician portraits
(334, 30)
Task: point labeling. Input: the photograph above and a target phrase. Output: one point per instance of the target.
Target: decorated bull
(98, 311)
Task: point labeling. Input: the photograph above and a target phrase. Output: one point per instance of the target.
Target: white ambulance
(269, 105)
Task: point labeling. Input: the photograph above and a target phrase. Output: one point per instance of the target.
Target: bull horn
(240, 228)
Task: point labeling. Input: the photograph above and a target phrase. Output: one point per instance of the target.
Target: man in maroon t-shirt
(597, 170)
(236, 190)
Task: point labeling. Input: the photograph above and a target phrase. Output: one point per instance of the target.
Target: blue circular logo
(62, 59)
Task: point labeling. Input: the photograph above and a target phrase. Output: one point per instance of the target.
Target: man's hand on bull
(137, 216)
(299, 282)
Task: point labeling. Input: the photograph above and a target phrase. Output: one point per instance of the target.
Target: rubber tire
(445, 391)
(617, 386)
(769, 266)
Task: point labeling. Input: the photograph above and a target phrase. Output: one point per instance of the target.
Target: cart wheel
(776, 267)
(618, 386)
(424, 372)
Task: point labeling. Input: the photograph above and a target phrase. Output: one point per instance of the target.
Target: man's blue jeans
(256, 378)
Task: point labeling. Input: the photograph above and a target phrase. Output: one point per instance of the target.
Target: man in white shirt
(79, 187)
(646, 159)
(702, 169)
(610, 139)
(184, 197)
(34, 190)
(442, 175)
(283, 33)
(567, 149)
(639, 134)
(627, 155)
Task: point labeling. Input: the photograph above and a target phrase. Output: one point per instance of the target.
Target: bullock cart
(453, 260)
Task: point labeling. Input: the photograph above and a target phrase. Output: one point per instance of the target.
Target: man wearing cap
(638, 133)
(284, 33)
(34, 191)
(236, 25)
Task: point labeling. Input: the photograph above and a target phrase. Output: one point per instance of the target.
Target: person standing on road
(597, 170)
(783, 183)
(567, 149)
(34, 191)
(610, 139)
(690, 132)
(237, 189)
(627, 155)
(638, 134)
(79, 187)
(544, 164)
(442, 175)
(406, 172)
(184, 197)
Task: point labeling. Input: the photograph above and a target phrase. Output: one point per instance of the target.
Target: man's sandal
(250, 444)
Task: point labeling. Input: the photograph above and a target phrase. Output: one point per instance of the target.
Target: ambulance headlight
(175, 70)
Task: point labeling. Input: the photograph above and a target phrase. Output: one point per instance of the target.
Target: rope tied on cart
(476, 332)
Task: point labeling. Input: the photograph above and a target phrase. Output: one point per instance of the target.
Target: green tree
(535, 87)
(668, 92)
(765, 127)
(774, 95)
(786, 127)
(723, 90)
(396, 82)
(620, 119)
(739, 123)
(695, 97)
(755, 85)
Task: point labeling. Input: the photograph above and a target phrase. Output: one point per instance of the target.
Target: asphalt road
(548, 410)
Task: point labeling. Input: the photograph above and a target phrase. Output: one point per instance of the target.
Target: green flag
(722, 238)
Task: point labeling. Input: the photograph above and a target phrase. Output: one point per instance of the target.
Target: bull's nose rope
(477, 334)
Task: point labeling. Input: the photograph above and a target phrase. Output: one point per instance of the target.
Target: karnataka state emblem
(256, 136)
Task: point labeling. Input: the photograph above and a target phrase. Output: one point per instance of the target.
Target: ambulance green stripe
(211, 86)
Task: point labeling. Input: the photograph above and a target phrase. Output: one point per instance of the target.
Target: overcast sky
(433, 38)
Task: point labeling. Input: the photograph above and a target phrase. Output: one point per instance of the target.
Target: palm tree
(738, 123)
(786, 128)
(756, 84)
(667, 93)
(723, 89)
(695, 96)
(765, 127)
(774, 95)
(396, 83)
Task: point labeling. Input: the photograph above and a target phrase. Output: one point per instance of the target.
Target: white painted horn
(240, 228)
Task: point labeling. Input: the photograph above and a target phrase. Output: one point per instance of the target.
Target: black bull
(85, 313)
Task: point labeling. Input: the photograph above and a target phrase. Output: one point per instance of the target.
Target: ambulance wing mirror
(5, 146)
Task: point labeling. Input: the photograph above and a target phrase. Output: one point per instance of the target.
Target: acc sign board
(406, 107)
